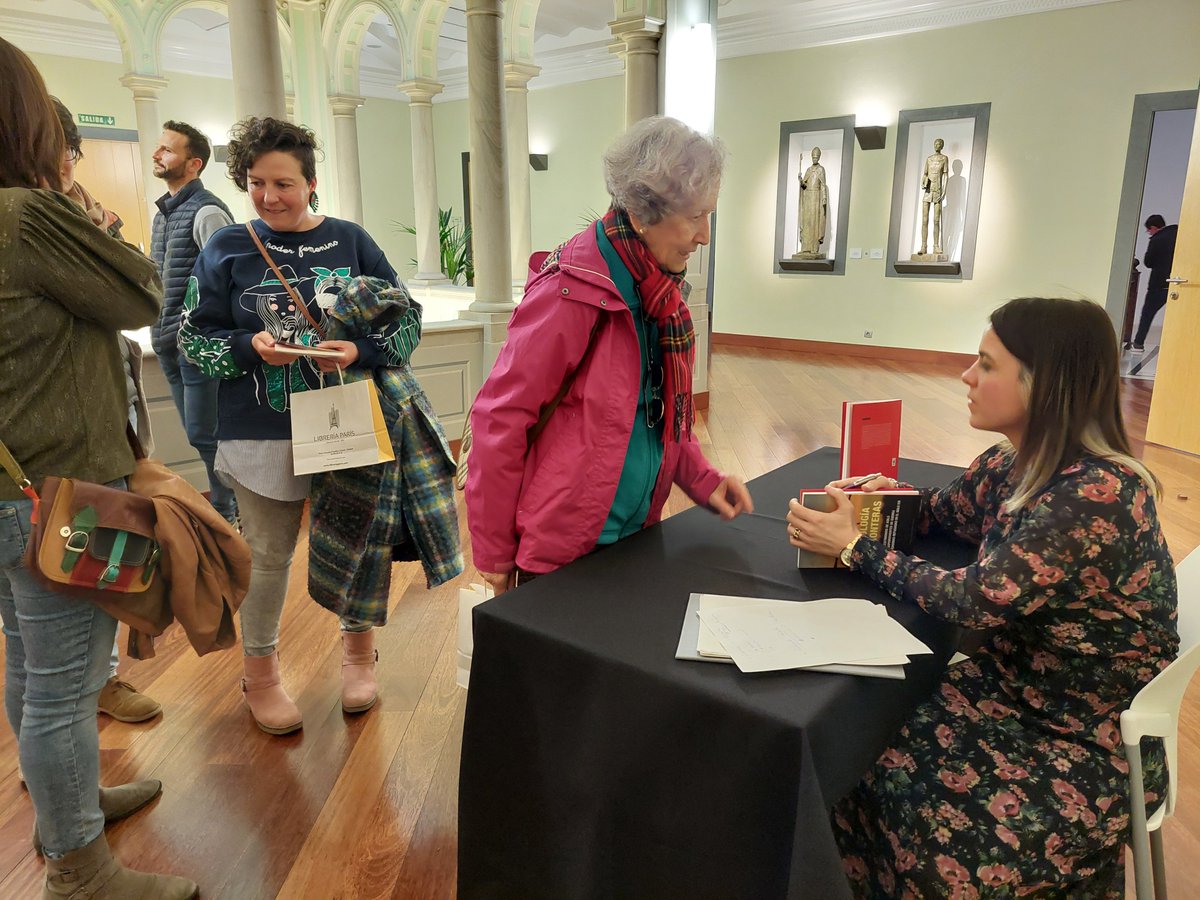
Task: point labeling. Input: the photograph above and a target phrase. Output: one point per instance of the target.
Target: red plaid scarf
(662, 295)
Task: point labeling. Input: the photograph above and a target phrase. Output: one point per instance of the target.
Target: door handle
(1176, 280)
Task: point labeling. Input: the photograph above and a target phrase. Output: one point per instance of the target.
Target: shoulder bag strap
(10, 465)
(291, 290)
(544, 418)
(16, 473)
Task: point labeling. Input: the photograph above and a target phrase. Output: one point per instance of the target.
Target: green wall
(385, 164)
(1061, 86)
(573, 124)
(384, 144)
(90, 86)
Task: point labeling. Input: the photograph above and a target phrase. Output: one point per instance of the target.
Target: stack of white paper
(838, 634)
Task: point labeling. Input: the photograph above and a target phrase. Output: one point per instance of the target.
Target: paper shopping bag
(339, 427)
(468, 599)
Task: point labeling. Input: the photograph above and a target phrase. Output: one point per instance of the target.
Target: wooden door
(112, 173)
(1175, 406)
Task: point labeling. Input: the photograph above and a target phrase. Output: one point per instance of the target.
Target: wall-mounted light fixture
(871, 137)
(539, 161)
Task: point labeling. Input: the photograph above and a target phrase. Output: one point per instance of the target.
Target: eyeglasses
(655, 408)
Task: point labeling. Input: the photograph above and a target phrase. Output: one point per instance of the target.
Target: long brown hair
(1071, 373)
(31, 140)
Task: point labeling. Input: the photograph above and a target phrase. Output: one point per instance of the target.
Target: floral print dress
(1011, 780)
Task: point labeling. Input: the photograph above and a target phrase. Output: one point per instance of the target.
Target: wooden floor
(365, 806)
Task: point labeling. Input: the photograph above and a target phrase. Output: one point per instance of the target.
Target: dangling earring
(313, 201)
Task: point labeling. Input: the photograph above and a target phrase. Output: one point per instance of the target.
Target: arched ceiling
(568, 39)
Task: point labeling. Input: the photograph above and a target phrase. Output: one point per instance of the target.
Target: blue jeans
(56, 661)
(195, 396)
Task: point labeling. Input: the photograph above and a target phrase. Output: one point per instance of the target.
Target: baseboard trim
(700, 401)
(830, 348)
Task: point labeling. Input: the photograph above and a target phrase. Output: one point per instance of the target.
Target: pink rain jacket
(543, 506)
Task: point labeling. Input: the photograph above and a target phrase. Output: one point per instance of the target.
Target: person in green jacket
(66, 291)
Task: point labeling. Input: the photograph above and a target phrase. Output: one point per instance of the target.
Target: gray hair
(661, 166)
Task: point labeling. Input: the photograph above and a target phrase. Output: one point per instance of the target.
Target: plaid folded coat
(364, 519)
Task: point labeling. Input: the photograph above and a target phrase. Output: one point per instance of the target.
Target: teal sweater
(644, 456)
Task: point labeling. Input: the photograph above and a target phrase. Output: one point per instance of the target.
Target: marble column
(687, 54)
(424, 167)
(257, 61)
(489, 165)
(345, 134)
(146, 89)
(516, 102)
(312, 106)
(637, 44)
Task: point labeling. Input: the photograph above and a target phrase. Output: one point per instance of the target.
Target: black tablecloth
(596, 765)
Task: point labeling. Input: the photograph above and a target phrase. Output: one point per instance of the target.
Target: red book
(870, 438)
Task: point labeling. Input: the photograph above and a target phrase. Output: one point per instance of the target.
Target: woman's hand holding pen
(867, 483)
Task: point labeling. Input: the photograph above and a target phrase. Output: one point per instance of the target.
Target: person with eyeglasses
(603, 329)
(67, 290)
(119, 699)
(101, 217)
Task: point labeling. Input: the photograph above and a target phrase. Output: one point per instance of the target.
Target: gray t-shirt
(209, 220)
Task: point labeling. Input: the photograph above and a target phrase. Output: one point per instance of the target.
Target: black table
(596, 765)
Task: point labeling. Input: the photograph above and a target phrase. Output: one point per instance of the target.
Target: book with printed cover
(889, 517)
(304, 350)
(870, 438)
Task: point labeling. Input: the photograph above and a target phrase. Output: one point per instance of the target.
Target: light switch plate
(876, 253)
(856, 252)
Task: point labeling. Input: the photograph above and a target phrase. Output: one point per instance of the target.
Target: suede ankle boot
(91, 873)
(269, 703)
(125, 703)
(116, 802)
(359, 688)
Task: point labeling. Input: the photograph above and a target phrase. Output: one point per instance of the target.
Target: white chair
(1155, 713)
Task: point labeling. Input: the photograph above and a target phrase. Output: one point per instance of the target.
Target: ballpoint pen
(859, 482)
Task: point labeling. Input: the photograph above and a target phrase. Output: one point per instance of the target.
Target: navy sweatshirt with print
(233, 294)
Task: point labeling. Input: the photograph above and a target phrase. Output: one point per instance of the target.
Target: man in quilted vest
(188, 215)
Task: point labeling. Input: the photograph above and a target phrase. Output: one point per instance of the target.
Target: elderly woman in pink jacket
(604, 329)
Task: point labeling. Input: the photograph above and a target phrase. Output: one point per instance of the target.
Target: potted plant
(454, 240)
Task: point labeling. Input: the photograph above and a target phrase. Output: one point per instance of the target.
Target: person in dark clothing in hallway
(1159, 255)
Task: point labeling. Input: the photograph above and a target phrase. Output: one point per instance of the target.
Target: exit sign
(89, 119)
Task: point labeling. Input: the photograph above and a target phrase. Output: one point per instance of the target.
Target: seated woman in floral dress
(1011, 780)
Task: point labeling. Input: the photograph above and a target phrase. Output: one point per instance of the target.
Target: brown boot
(359, 688)
(116, 802)
(269, 703)
(91, 873)
(121, 700)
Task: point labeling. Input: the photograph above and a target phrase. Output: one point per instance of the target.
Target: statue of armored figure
(933, 194)
(814, 208)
